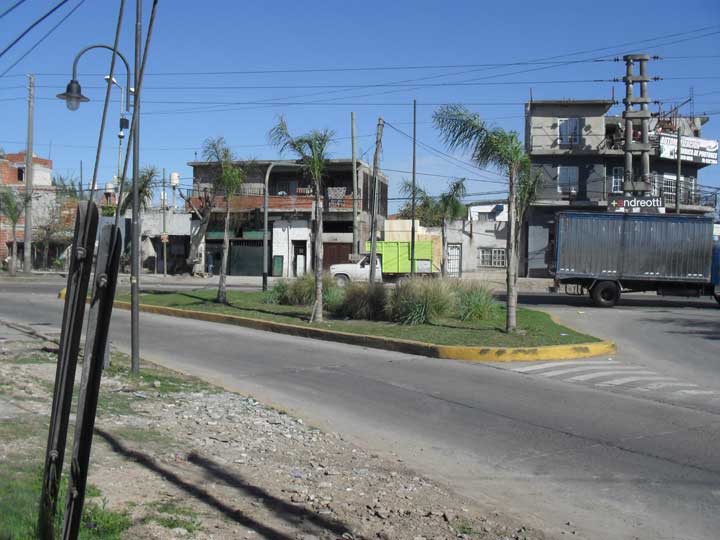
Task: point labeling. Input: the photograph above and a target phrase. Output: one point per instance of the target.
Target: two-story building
(291, 210)
(13, 176)
(577, 149)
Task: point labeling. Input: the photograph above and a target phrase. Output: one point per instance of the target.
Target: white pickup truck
(359, 271)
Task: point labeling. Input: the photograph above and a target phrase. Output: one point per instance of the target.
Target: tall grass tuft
(363, 301)
(419, 301)
(475, 302)
(301, 291)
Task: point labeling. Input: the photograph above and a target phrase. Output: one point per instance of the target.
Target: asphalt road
(612, 464)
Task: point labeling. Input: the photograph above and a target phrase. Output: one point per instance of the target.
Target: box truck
(607, 254)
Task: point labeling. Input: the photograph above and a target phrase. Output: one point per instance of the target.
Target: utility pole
(81, 180)
(630, 186)
(135, 263)
(678, 184)
(414, 187)
(356, 234)
(376, 199)
(164, 236)
(27, 238)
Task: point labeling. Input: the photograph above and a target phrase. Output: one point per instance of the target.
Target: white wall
(474, 235)
(178, 224)
(283, 234)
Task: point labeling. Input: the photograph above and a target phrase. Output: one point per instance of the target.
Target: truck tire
(341, 280)
(605, 294)
(717, 297)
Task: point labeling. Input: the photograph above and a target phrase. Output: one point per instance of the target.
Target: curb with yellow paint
(452, 352)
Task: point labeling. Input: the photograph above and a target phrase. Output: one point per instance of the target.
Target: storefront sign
(692, 149)
(637, 205)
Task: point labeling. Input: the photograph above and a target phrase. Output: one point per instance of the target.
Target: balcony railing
(251, 197)
(690, 193)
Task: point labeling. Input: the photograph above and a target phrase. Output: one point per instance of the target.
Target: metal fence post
(73, 315)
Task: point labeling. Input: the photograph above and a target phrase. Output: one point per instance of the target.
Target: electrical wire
(33, 25)
(8, 10)
(443, 155)
(43, 38)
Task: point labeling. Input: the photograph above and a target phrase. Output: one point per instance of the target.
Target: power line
(485, 180)
(272, 101)
(444, 155)
(8, 10)
(43, 38)
(33, 25)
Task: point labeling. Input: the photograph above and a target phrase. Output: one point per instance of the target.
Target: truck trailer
(607, 254)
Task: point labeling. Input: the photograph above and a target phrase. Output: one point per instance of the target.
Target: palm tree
(11, 204)
(466, 131)
(148, 179)
(437, 211)
(312, 150)
(230, 177)
(450, 207)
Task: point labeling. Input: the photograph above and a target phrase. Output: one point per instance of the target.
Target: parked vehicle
(610, 253)
(393, 263)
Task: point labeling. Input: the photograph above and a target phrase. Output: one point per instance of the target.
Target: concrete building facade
(577, 149)
(291, 210)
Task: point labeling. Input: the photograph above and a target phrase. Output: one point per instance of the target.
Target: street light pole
(27, 238)
(164, 237)
(135, 262)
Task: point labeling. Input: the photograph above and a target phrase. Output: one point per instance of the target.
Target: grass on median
(537, 327)
(20, 483)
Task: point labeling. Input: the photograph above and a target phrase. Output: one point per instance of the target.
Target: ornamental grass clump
(363, 301)
(420, 301)
(475, 302)
(301, 291)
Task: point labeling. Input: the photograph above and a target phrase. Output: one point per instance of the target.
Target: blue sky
(222, 35)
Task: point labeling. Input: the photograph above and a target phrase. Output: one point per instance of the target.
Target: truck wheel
(717, 297)
(605, 294)
(341, 280)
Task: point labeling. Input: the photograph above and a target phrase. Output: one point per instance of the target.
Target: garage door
(334, 253)
(246, 258)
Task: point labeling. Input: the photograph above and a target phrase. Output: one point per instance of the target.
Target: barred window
(491, 257)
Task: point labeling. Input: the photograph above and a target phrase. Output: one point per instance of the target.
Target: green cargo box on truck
(393, 263)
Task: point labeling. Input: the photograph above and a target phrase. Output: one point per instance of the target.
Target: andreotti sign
(644, 205)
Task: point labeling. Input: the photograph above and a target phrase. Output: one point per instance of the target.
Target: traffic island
(541, 337)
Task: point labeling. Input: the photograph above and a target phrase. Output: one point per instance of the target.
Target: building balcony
(251, 198)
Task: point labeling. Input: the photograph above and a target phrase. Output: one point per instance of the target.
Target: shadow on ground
(296, 516)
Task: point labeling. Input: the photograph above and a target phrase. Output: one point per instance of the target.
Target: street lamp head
(174, 180)
(73, 95)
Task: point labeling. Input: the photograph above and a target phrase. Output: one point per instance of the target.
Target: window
(491, 257)
(20, 174)
(618, 177)
(569, 131)
(567, 179)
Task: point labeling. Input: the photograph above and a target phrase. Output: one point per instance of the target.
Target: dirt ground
(183, 459)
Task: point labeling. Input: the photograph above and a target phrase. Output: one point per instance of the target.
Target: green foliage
(278, 292)
(67, 187)
(11, 204)
(107, 211)
(475, 302)
(146, 182)
(362, 301)
(19, 495)
(333, 297)
(420, 301)
(311, 148)
(431, 211)
(301, 291)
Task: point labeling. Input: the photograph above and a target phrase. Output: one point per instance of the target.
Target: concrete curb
(451, 352)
